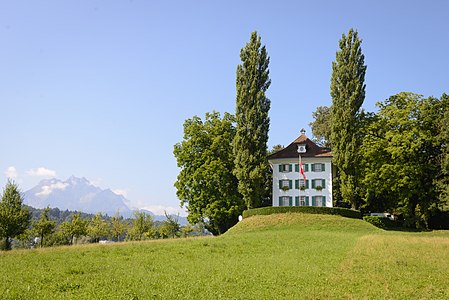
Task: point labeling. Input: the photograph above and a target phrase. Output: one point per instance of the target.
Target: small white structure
(383, 215)
(312, 186)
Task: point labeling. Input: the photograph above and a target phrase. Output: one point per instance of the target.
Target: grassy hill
(281, 256)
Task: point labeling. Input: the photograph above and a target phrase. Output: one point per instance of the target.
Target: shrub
(382, 222)
(344, 212)
(439, 220)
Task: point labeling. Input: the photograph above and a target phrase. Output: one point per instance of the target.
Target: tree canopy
(400, 157)
(141, 225)
(322, 126)
(98, 228)
(206, 185)
(76, 228)
(44, 226)
(14, 217)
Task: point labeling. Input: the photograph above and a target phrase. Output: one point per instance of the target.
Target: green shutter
(280, 201)
(313, 183)
(280, 184)
(296, 167)
(323, 168)
(306, 167)
(297, 184)
(313, 167)
(323, 183)
(290, 184)
(313, 201)
(296, 201)
(307, 200)
(307, 184)
(324, 200)
(290, 168)
(290, 200)
(280, 168)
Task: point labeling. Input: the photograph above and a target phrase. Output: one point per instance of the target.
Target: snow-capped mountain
(76, 194)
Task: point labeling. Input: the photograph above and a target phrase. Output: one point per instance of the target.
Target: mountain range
(78, 194)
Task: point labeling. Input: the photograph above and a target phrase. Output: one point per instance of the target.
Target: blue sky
(100, 89)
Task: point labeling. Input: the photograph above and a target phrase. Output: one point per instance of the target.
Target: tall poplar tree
(252, 106)
(348, 94)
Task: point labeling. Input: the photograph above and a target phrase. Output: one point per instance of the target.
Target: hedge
(344, 212)
(382, 222)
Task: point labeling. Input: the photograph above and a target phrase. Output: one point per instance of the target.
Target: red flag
(301, 169)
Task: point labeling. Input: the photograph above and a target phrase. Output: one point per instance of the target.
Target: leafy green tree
(118, 227)
(442, 181)
(25, 239)
(74, 229)
(348, 94)
(14, 217)
(400, 158)
(252, 107)
(153, 232)
(98, 228)
(322, 126)
(141, 225)
(170, 227)
(186, 230)
(44, 227)
(206, 185)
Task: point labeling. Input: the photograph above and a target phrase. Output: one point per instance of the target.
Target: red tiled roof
(291, 151)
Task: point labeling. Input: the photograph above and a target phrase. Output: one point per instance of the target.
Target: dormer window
(302, 148)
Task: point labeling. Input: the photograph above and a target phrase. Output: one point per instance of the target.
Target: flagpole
(299, 179)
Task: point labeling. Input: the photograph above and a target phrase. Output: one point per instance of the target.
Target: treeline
(393, 160)
(26, 227)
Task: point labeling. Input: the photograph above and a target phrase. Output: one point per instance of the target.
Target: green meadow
(280, 256)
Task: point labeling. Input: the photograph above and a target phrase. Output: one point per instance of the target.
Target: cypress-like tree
(348, 94)
(252, 106)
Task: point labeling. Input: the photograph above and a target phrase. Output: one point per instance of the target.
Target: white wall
(326, 175)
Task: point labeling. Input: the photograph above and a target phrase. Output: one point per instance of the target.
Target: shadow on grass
(406, 229)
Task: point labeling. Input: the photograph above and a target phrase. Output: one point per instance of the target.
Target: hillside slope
(283, 256)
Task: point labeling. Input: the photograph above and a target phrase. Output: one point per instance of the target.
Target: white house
(289, 186)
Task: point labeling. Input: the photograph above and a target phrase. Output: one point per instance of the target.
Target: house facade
(309, 186)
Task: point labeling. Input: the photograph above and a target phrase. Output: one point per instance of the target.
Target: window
(318, 201)
(302, 201)
(285, 184)
(285, 201)
(305, 166)
(318, 184)
(285, 168)
(318, 167)
(300, 183)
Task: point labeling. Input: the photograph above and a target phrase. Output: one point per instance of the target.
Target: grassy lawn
(283, 256)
